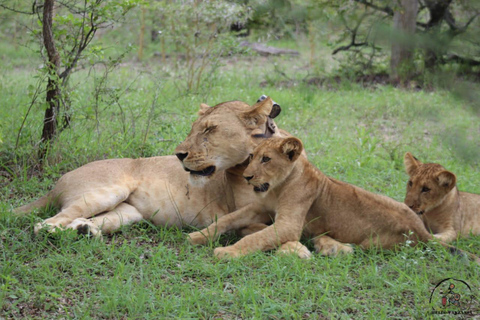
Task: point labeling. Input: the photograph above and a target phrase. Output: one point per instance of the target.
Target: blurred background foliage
(183, 46)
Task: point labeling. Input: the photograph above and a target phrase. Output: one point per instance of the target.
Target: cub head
(272, 162)
(223, 136)
(428, 185)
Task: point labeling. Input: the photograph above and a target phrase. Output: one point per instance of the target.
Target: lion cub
(433, 194)
(304, 200)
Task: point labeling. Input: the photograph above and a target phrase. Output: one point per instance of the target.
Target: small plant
(365, 147)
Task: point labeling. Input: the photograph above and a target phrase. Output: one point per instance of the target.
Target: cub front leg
(446, 236)
(248, 215)
(295, 247)
(282, 231)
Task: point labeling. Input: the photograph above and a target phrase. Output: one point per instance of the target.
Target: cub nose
(181, 156)
(248, 178)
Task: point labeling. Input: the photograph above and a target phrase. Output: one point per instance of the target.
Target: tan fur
(303, 200)
(104, 195)
(432, 193)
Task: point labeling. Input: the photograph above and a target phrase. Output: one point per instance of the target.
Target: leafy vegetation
(355, 132)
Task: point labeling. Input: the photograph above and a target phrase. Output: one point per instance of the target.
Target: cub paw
(85, 226)
(197, 238)
(295, 248)
(227, 252)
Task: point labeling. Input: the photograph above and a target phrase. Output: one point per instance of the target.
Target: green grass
(351, 133)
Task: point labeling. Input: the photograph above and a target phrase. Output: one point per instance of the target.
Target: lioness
(103, 195)
(303, 199)
(432, 193)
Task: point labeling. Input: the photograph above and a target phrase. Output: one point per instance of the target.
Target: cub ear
(258, 113)
(292, 148)
(203, 108)
(411, 163)
(447, 180)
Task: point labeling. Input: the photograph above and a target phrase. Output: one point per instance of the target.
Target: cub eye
(209, 129)
(265, 159)
(250, 156)
(410, 183)
(425, 189)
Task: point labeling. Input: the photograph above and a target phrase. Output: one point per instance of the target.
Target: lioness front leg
(124, 214)
(241, 218)
(84, 206)
(251, 228)
(330, 247)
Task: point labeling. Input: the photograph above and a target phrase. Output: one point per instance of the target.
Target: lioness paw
(47, 226)
(227, 252)
(336, 249)
(85, 226)
(197, 238)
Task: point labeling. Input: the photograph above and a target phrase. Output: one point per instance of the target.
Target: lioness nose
(248, 178)
(181, 156)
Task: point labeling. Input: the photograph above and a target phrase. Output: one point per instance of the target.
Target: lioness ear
(258, 113)
(447, 180)
(203, 108)
(275, 108)
(292, 148)
(411, 163)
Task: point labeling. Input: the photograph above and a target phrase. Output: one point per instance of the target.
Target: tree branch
(20, 11)
(386, 9)
(389, 11)
(354, 37)
(462, 60)
(84, 41)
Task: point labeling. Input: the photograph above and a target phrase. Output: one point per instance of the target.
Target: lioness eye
(425, 189)
(410, 183)
(265, 159)
(250, 156)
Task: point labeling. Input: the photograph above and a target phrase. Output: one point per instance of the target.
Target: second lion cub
(301, 199)
(432, 193)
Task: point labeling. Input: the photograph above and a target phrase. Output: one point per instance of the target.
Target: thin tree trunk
(142, 34)
(53, 91)
(404, 23)
(437, 10)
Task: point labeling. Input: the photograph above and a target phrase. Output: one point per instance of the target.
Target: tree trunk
(53, 90)
(403, 42)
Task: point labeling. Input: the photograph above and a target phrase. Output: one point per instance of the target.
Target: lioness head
(428, 185)
(223, 136)
(272, 162)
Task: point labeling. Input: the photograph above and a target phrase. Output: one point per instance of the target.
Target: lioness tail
(39, 203)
